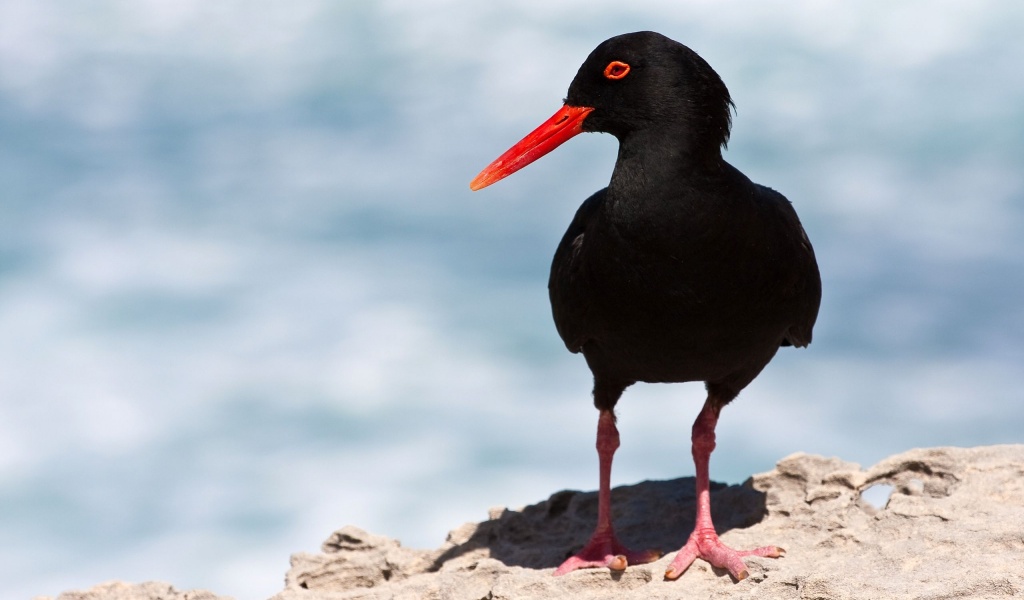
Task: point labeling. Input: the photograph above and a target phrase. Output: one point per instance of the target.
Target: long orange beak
(564, 124)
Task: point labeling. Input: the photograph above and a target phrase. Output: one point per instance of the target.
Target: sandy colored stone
(151, 590)
(953, 527)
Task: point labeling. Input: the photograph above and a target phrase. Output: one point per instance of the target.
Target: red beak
(564, 124)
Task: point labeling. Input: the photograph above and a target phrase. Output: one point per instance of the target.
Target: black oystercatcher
(682, 269)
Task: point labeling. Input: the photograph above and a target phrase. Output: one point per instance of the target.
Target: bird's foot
(604, 550)
(705, 544)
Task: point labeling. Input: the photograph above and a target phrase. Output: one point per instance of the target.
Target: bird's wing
(805, 283)
(799, 334)
(568, 297)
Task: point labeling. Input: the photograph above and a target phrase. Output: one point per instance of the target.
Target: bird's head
(630, 83)
(640, 80)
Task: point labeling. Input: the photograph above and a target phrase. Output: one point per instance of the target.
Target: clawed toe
(706, 545)
(606, 551)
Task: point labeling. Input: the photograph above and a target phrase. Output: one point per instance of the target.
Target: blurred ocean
(246, 296)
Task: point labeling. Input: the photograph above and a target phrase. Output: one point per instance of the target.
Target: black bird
(682, 269)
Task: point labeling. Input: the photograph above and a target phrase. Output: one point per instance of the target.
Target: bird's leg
(704, 542)
(604, 549)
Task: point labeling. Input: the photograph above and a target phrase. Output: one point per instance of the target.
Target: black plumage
(682, 269)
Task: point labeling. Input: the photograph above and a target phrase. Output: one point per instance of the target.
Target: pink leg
(704, 542)
(604, 549)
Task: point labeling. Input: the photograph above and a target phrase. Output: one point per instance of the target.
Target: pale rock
(151, 590)
(953, 527)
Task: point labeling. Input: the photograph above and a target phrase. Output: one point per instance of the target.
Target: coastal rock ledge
(951, 527)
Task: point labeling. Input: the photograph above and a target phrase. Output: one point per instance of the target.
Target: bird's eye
(616, 70)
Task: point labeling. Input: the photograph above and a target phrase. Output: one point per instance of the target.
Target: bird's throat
(654, 164)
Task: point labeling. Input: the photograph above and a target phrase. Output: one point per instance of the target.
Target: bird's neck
(656, 168)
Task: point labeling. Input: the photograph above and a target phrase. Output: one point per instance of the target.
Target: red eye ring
(616, 70)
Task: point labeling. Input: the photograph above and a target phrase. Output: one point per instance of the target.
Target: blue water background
(246, 296)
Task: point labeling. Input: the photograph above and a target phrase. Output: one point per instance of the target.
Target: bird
(680, 270)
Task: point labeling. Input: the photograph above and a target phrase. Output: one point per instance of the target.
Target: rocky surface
(953, 527)
(152, 590)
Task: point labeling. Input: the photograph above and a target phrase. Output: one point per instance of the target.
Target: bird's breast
(667, 298)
